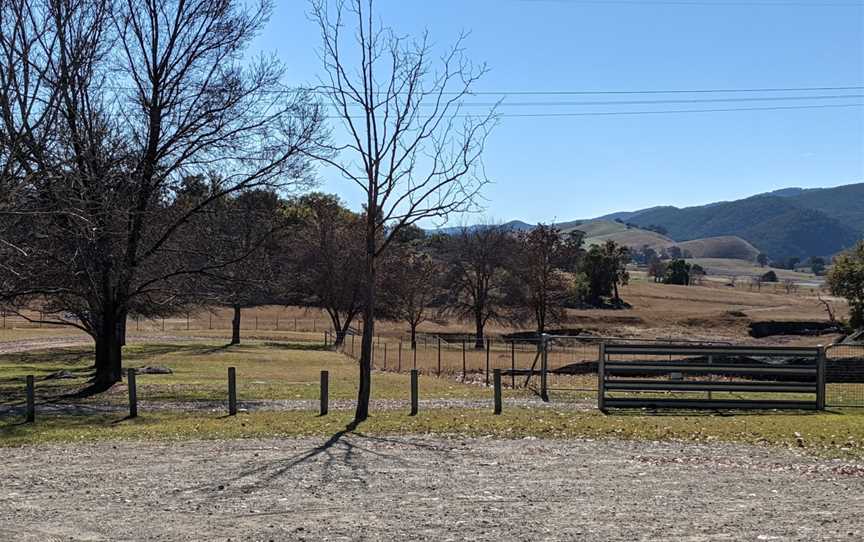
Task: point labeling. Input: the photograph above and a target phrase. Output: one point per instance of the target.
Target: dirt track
(357, 487)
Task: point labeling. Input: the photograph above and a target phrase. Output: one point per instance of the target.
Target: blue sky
(546, 169)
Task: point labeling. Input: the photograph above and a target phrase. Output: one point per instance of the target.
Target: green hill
(779, 225)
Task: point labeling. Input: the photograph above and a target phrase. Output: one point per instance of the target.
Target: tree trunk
(479, 338)
(235, 326)
(413, 336)
(108, 352)
(364, 392)
(121, 328)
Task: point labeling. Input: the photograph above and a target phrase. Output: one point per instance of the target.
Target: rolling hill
(727, 246)
(793, 222)
(789, 222)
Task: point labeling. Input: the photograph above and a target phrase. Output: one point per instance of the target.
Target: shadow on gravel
(343, 449)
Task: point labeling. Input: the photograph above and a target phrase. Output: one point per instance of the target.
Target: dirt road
(365, 488)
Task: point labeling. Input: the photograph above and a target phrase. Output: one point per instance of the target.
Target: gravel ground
(356, 487)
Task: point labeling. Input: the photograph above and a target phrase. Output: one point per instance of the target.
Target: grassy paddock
(831, 434)
(264, 371)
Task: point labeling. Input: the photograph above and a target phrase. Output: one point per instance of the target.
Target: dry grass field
(712, 311)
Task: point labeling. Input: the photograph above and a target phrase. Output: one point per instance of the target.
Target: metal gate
(845, 375)
(715, 377)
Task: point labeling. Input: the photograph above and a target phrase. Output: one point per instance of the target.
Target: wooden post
(277, 322)
(31, 400)
(314, 325)
(133, 393)
(488, 345)
(385, 356)
(601, 378)
(187, 321)
(295, 324)
(256, 322)
(544, 368)
(414, 392)
(232, 391)
(439, 356)
(352, 344)
(325, 338)
(513, 364)
(399, 362)
(325, 392)
(464, 364)
(163, 323)
(496, 379)
(211, 320)
(820, 378)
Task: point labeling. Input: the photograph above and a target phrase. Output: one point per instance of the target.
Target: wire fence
(217, 320)
(571, 362)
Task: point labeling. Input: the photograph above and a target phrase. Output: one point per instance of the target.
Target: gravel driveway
(369, 488)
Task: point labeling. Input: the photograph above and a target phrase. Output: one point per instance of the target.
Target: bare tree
(129, 99)
(408, 145)
(541, 268)
(476, 260)
(328, 260)
(250, 230)
(410, 287)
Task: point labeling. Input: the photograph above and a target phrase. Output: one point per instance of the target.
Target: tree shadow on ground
(342, 449)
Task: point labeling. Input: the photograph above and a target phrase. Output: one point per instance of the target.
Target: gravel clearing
(356, 487)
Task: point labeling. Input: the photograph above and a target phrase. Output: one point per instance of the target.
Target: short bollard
(31, 400)
(496, 381)
(414, 392)
(325, 392)
(133, 393)
(232, 391)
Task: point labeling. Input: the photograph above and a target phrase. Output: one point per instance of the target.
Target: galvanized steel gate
(744, 377)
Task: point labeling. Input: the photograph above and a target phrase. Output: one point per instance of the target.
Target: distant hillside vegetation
(600, 231)
(777, 225)
(726, 246)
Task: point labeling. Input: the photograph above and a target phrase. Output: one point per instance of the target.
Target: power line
(697, 3)
(647, 112)
(645, 102)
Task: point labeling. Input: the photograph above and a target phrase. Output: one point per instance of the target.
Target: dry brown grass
(712, 311)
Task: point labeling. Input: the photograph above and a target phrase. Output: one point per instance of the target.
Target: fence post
(385, 356)
(464, 365)
(325, 339)
(414, 392)
(488, 343)
(544, 368)
(352, 344)
(439, 356)
(325, 392)
(399, 363)
(496, 379)
(820, 379)
(513, 364)
(232, 391)
(601, 378)
(133, 393)
(31, 400)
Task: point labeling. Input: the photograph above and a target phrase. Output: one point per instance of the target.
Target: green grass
(830, 434)
(264, 371)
